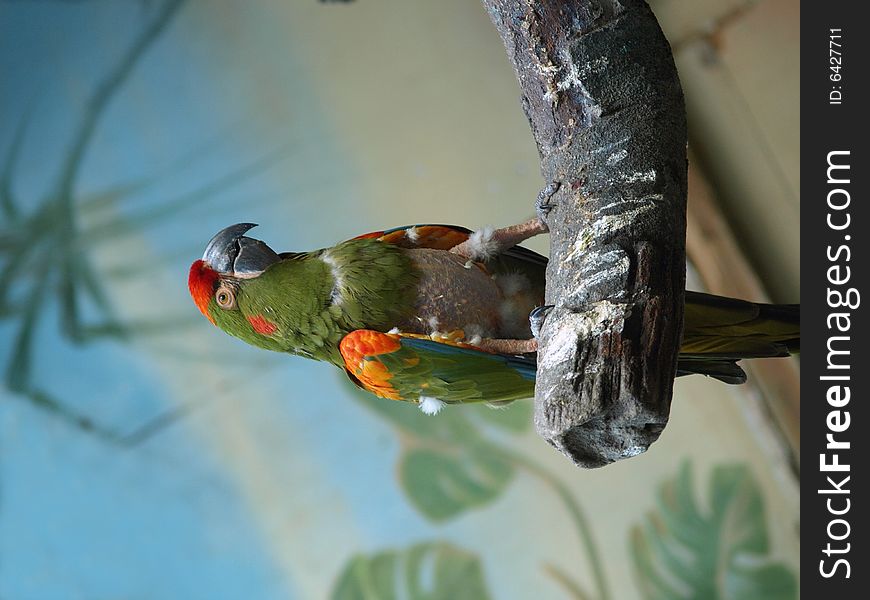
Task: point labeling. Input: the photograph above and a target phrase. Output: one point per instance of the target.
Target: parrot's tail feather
(785, 313)
(790, 313)
(725, 370)
(719, 327)
(720, 331)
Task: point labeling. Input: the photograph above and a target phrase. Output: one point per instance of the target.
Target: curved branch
(604, 102)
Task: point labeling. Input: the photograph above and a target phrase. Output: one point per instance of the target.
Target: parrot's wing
(419, 369)
(444, 237)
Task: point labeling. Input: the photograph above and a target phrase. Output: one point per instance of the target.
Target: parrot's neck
(372, 284)
(315, 299)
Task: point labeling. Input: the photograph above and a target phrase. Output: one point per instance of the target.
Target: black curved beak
(230, 252)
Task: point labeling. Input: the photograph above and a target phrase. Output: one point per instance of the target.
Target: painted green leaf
(684, 551)
(448, 467)
(443, 484)
(428, 571)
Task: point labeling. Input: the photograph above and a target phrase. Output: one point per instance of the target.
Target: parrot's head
(217, 281)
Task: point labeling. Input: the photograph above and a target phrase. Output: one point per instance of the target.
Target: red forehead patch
(201, 283)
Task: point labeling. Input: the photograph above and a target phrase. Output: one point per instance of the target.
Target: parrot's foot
(537, 318)
(487, 243)
(542, 204)
(502, 346)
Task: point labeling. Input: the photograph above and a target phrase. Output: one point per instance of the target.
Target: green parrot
(438, 314)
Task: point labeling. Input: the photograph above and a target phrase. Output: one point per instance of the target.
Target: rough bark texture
(601, 93)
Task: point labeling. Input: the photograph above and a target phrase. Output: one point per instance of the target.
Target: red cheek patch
(262, 326)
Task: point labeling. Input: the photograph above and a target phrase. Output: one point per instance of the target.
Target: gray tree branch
(604, 102)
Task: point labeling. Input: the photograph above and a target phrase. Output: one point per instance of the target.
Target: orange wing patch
(358, 347)
(374, 376)
(437, 237)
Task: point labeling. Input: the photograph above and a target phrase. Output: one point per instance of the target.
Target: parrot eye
(225, 298)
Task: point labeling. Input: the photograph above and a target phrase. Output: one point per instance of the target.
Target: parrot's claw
(537, 318)
(542, 204)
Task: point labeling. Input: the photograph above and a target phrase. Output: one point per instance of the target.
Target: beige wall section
(426, 87)
(740, 69)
